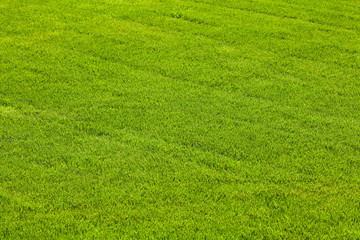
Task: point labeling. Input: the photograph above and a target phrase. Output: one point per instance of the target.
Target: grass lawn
(180, 119)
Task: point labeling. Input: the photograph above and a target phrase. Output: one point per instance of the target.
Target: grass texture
(179, 119)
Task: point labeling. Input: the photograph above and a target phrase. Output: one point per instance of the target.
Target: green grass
(179, 119)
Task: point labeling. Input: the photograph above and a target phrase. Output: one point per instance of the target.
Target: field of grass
(215, 119)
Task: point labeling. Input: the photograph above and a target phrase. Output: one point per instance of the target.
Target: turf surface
(179, 119)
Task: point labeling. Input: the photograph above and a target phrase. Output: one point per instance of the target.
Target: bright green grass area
(179, 119)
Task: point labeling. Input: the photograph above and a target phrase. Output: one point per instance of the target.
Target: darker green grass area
(179, 119)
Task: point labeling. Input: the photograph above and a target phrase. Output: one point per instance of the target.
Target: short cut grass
(179, 119)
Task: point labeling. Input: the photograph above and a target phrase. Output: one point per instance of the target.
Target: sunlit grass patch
(179, 119)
